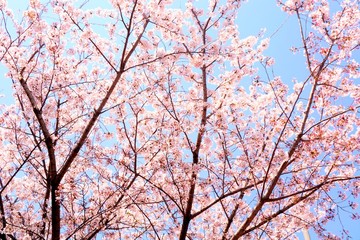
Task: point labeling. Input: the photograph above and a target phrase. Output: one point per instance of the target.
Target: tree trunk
(55, 214)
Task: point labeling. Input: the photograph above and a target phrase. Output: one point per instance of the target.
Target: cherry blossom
(134, 120)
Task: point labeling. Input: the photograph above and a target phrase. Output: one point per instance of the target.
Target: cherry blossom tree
(131, 121)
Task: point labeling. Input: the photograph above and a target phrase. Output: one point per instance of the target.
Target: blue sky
(284, 33)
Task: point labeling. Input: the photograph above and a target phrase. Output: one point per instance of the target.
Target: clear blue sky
(284, 33)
